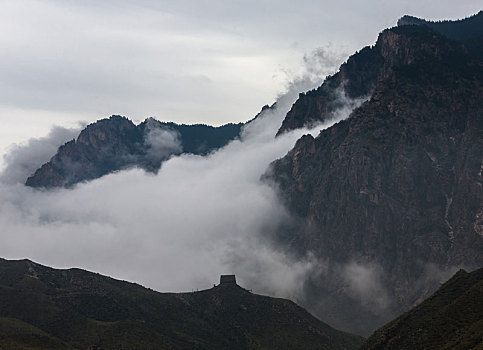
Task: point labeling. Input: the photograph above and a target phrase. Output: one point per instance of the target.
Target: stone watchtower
(227, 280)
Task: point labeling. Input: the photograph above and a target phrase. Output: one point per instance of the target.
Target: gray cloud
(161, 142)
(365, 283)
(188, 61)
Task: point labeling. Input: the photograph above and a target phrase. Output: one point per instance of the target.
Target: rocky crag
(357, 78)
(116, 143)
(391, 199)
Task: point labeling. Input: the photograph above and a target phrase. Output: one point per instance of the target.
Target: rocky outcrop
(394, 193)
(117, 143)
(45, 308)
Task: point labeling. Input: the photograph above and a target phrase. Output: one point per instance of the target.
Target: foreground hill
(452, 318)
(116, 143)
(45, 308)
(391, 199)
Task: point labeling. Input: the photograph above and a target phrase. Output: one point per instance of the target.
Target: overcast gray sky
(211, 61)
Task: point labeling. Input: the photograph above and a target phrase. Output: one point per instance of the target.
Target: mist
(178, 230)
(365, 284)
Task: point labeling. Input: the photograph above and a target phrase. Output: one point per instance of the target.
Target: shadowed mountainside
(41, 307)
(452, 318)
(394, 193)
(358, 77)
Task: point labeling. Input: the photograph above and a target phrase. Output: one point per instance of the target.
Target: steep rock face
(452, 318)
(357, 78)
(394, 192)
(117, 143)
(76, 309)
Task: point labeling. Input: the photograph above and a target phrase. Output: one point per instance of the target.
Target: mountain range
(116, 143)
(390, 200)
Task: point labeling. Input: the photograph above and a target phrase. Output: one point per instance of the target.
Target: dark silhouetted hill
(452, 318)
(45, 308)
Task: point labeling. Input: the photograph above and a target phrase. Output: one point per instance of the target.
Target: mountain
(46, 308)
(358, 77)
(452, 318)
(390, 199)
(116, 143)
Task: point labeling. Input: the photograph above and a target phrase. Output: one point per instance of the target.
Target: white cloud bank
(175, 231)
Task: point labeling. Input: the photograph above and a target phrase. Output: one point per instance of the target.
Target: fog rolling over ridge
(174, 231)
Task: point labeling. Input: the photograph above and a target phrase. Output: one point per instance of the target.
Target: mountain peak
(116, 143)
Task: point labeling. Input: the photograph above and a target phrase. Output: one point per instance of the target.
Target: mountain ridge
(358, 76)
(77, 309)
(116, 143)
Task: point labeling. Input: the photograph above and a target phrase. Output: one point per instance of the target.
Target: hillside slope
(452, 318)
(41, 307)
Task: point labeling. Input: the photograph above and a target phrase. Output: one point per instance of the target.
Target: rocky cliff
(117, 143)
(358, 77)
(45, 308)
(390, 199)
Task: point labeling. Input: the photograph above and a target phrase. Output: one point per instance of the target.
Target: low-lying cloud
(178, 230)
(175, 231)
(365, 283)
